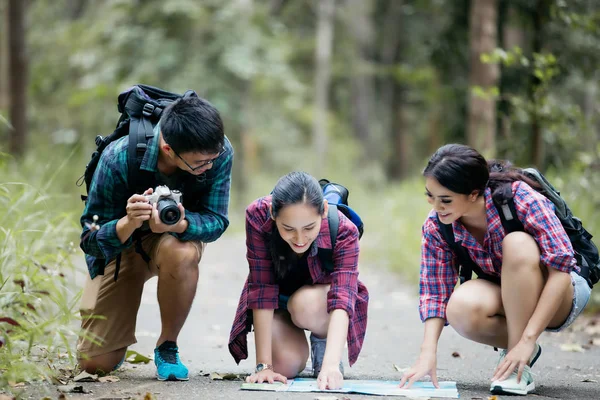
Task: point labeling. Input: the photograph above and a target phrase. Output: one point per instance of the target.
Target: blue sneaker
(168, 365)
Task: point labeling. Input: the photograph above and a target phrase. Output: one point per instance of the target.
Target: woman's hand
(330, 377)
(425, 365)
(266, 376)
(518, 357)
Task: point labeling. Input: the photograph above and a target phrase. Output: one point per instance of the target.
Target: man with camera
(129, 238)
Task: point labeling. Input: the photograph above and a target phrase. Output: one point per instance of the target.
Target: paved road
(393, 338)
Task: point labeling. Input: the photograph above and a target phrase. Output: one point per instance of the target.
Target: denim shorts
(581, 296)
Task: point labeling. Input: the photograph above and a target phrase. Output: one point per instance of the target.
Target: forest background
(358, 91)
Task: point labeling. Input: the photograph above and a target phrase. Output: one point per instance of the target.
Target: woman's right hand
(425, 365)
(266, 376)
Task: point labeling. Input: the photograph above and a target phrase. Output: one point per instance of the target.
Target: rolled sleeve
(344, 278)
(263, 296)
(540, 220)
(438, 274)
(263, 292)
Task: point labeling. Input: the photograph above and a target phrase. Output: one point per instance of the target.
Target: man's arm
(107, 200)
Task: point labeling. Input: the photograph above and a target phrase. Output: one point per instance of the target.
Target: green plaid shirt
(108, 194)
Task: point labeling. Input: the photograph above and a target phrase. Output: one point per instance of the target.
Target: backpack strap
(508, 216)
(326, 255)
(466, 265)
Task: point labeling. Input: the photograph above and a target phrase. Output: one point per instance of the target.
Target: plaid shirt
(262, 292)
(439, 266)
(108, 196)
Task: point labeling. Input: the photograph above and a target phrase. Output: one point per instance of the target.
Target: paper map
(383, 388)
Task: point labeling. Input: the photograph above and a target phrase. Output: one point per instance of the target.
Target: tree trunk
(18, 72)
(3, 60)
(512, 35)
(325, 21)
(360, 27)
(481, 125)
(392, 93)
(538, 151)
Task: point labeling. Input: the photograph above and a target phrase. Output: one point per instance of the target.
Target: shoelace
(168, 352)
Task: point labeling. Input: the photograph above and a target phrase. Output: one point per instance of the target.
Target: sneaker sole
(171, 378)
(500, 390)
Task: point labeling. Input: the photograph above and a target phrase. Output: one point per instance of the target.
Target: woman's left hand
(330, 377)
(518, 357)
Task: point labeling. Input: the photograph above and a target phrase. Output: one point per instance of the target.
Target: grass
(37, 300)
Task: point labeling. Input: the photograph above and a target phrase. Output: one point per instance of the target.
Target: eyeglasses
(202, 164)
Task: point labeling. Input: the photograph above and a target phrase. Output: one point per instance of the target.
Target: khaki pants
(108, 308)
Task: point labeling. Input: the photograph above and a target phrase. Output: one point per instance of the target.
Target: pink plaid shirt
(439, 265)
(262, 292)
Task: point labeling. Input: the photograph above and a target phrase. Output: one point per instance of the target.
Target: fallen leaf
(589, 380)
(397, 368)
(72, 389)
(149, 396)
(108, 379)
(134, 357)
(493, 398)
(231, 377)
(456, 354)
(62, 396)
(573, 347)
(216, 377)
(16, 385)
(85, 377)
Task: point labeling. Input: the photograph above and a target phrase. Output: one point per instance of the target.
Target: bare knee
(175, 256)
(103, 363)
(290, 363)
(464, 313)
(308, 308)
(519, 250)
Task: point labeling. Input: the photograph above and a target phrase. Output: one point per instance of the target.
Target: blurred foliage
(254, 60)
(37, 299)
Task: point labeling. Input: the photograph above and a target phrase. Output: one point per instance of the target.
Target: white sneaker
(537, 352)
(510, 385)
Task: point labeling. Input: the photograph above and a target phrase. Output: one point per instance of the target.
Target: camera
(167, 204)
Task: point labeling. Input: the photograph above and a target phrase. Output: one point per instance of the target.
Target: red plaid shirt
(439, 265)
(262, 292)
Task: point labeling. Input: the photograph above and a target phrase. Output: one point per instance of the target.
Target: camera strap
(138, 249)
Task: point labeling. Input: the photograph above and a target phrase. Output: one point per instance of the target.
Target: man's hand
(157, 226)
(266, 376)
(138, 209)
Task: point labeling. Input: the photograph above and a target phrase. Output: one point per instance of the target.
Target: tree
(325, 21)
(18, 73)
(481, 125)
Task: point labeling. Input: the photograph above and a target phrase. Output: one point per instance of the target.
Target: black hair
(293, 188)
(462, 169)
(192, 124)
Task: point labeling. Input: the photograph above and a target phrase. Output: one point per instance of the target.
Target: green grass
(37, 301)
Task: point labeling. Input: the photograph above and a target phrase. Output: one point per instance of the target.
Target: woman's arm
(263, 333)
(336, 338)
(427, 362)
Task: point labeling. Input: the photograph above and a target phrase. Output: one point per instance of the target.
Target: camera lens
(168, 211)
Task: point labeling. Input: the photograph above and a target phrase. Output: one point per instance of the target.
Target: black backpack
(140, 107)
(337, 198)
(586, 252)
